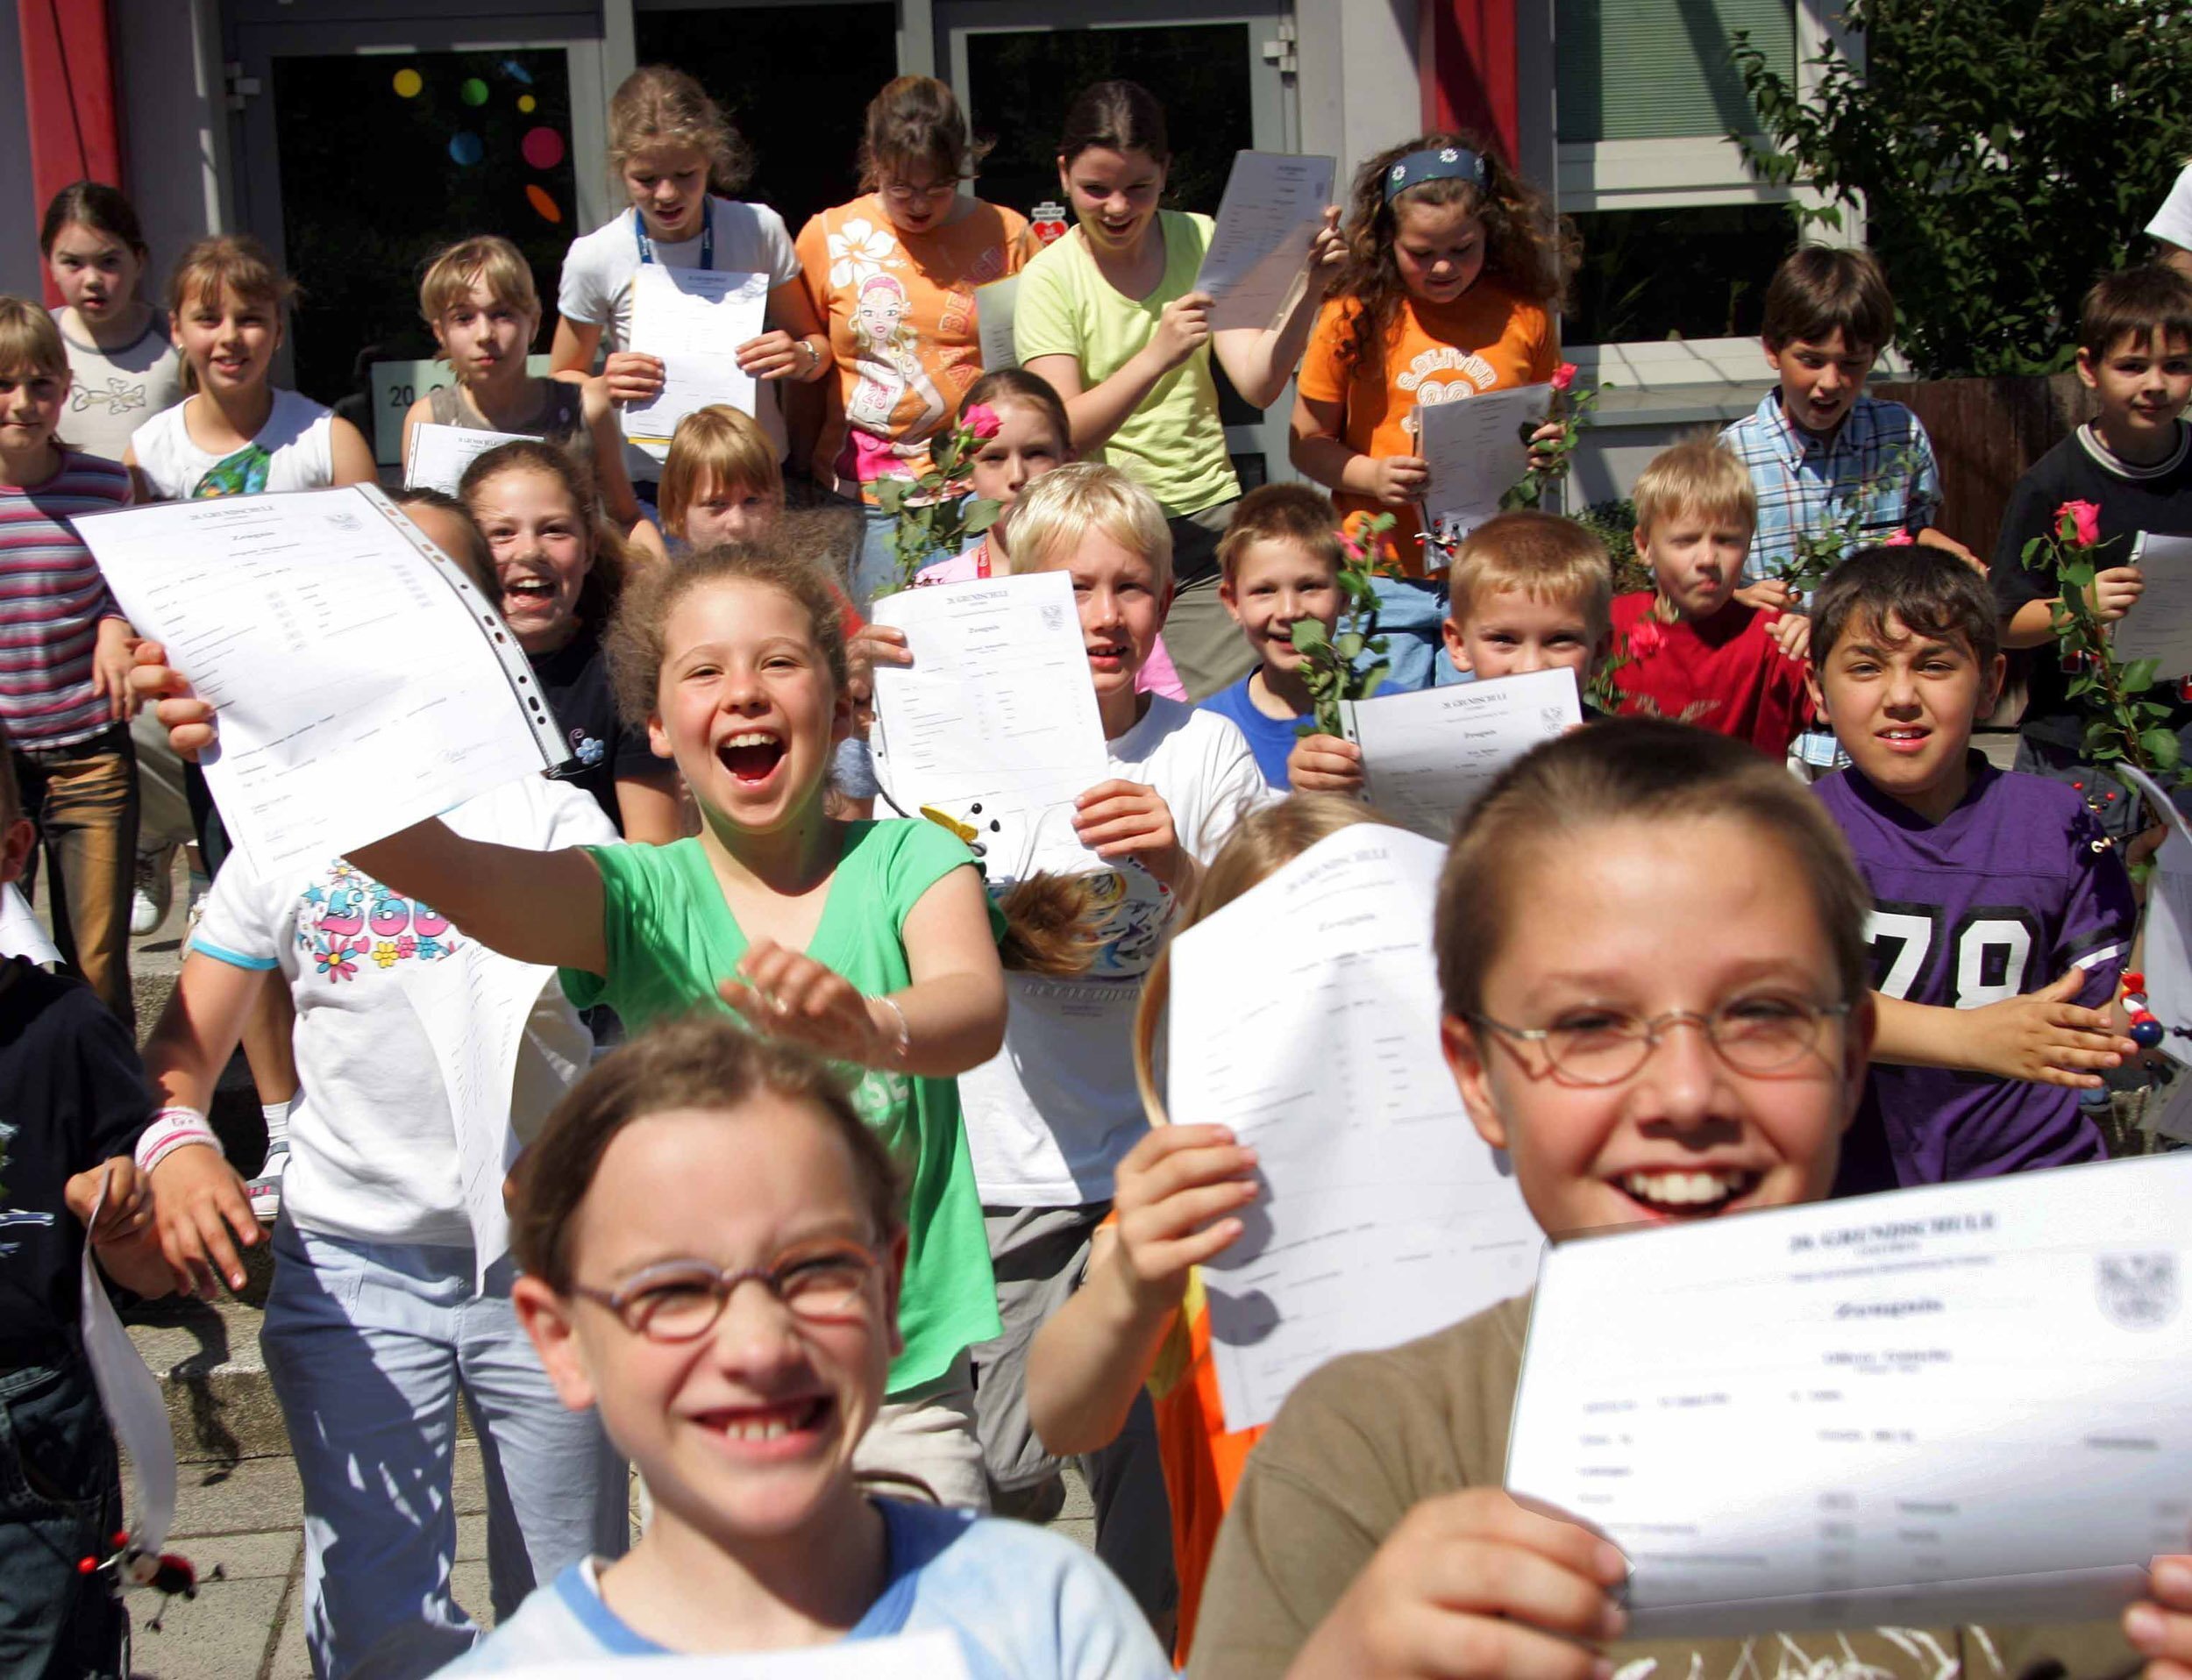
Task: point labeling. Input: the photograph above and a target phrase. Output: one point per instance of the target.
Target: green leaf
(2162, 749)
(2138, 676)
(1309, 635)
(980, 514)
(890, 495)
(1348, 644)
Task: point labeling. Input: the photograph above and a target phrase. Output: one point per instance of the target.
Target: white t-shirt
(293, 451)
(596, 289)
(2173, 221)
(112, 393)
(1050, 1116)
(373, 1147)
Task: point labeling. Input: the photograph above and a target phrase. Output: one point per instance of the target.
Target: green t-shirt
(671, 939)
(1174, 444)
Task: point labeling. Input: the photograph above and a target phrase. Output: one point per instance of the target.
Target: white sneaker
(155, 893)
(266, 1188)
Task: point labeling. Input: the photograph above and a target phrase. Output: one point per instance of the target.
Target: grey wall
(174, 125)
(20, 264)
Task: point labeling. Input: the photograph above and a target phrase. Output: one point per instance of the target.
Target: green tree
(2004, 153)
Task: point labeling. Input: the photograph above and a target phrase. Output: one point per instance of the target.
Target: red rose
(982, 421)
(2083, 518)
(1899, 540)
(1646, 638)
(1564, 376)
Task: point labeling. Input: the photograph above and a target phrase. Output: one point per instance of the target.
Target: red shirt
(1723, 673)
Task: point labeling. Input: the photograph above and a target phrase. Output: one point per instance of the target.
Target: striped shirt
(52, 598)
(1877, 471)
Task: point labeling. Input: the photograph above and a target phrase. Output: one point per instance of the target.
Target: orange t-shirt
(1487, 340)
(900, 311)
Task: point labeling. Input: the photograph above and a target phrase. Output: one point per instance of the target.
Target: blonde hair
(656, 108)
(1059, 509)
(1546, 557)
(1697, 475)
(1262, 843)
(484, 261)
(29, 339)
(716, 446)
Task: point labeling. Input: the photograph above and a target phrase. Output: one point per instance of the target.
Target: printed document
(694, 319)
(2159, 626)
(439, 454)
(1273, 205)
(1427, 757)
(1475, 447)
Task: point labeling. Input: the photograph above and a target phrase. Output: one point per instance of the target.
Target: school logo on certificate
(2137, 1291)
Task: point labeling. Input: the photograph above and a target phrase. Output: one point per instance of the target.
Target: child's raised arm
(534, 906)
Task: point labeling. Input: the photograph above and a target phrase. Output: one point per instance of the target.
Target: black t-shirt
(72, 1094)
(2157, 499)
(575, 679)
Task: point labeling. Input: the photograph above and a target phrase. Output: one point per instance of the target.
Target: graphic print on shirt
(1470, 374)
(243, 474)
(588, 750)
(120, 397)
(887, 353)
(11, 1217)
(349, 924)
(1985, 954)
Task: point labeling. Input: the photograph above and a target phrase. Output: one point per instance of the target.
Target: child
(378, 1317)
(478, 296)
(1529, 591)
(76, 1101)
(2134, 461)
(1988, 885)
(1049, 1118)
(1688, 649)
(235, 434)
(121, 367)
(692, 1153)
(1140, 1315)
(678, 158)
(902, 314)
(65, 660)
(1453, 285)
(1279, 564)
(1110, 317)
(722, 483)
(559, 571)
(1370, 1534)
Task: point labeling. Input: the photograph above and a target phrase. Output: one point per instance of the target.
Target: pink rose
(982, 421)
(1899, 540)
(1646, 638)
(2084, 518)
(1564, 376)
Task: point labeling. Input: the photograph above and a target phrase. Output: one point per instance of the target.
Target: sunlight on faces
(729, 513)
(1697, 558)
(1615, 925)
(1903, 708)
(1276, 583)
(30, 401)
(228, 340)
(745, 705)
(914, 197)
(669, 184)
(1026, 447)
(1113, 195)
(543, 547)
(2142, 385)
(1438, 248)
(1511, 632)
(1121, 597)
(747, 1429)
(1821, 379)
(484, 332)
(95, 273)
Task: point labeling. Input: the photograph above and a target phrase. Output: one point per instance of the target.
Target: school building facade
(355, 136)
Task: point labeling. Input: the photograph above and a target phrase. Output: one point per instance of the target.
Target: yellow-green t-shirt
(671, 939)
(1173, 444)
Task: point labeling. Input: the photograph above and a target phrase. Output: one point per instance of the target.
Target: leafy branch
(1328, 668)
(1548, 462)
(935, 516)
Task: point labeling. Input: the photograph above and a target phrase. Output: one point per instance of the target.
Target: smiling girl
(676, 159)
(121, 367)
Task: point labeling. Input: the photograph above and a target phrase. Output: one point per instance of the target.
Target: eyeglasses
(1753, 1035)
(679, 1300)
(900, 193)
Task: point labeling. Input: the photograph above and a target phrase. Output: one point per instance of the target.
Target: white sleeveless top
(293, 451)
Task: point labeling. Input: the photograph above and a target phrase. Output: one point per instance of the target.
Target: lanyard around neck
(708, 235)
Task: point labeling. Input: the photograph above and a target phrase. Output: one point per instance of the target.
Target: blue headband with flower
(1442, 163)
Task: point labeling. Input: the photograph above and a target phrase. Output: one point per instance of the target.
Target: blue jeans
(369, 1344)
(61, 1500)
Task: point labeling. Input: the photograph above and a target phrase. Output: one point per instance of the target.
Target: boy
(1050, 1116)
(1690, 650)
(1277, 563)
(1986, 884)
(2134, 460)
(1528, 591)
(76, 1101)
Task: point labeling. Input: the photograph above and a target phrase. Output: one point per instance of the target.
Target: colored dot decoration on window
(527, 103)
(408, 83)
(543, 147)
(517, 72)
(473, 91)
(466, 148)
(543, 204)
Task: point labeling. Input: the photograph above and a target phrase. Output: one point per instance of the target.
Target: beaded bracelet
(2145, 1030)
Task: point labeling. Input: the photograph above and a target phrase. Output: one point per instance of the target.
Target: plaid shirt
(1879, 464)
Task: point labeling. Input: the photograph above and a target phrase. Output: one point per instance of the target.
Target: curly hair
(1527, 248)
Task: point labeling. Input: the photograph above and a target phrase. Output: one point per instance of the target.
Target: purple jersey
(1998, 898)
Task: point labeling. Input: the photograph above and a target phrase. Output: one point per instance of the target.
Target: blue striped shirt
(1878, 465)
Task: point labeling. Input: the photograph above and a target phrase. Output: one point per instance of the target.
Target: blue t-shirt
(1270, 738)
(1022, 1604)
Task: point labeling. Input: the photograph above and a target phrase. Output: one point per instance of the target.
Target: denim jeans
(61, 1500)
(369, 1345)
(83, 799)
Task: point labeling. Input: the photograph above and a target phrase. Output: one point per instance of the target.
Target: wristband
(905, 1041)
(173, 1128)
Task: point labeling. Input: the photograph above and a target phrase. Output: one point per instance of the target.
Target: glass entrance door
(1017, 68)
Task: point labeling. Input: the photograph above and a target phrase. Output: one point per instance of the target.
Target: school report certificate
(1965, 1403)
